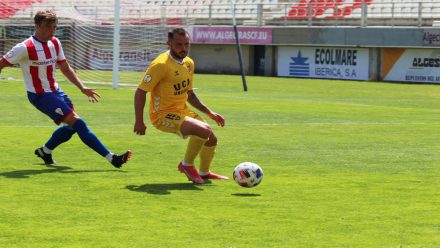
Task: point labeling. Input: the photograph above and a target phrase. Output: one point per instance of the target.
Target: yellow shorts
(170, 122)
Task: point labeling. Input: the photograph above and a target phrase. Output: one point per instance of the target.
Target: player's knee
(207, 132)
(80, 126)
(212, 140)
(71, 118)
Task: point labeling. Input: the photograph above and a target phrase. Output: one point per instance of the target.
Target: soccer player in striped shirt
(169, 78)
(38, 56)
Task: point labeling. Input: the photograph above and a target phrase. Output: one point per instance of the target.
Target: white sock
(109, 157)
(46, 150)
(201, 173)
(185, 163)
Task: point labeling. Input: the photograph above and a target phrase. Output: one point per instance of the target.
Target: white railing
(249, 12)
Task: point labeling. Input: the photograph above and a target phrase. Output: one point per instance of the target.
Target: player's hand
(217, 118)
(139, 128)
(91, 94)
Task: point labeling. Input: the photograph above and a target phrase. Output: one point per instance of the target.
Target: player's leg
(59, 136)
(91, 140)
(206, 156)
(85, 134)
(199, 133)
(205, 148)
(59, 108)
(54, 106)
(207, 152)
(184, 126)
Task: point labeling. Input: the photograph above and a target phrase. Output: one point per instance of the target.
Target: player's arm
(196, 103)
(153, 75)
(3, 64)
(13, 56)
(139, 103)
(72, 77)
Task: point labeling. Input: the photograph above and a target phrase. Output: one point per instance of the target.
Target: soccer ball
(248, 174)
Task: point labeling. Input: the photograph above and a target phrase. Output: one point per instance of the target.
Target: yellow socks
(206, 156)
(195, 144)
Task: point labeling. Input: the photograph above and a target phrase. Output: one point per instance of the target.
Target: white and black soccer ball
(248, 174)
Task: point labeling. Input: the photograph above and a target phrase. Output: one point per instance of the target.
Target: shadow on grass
(246, 195)
(162, 188)
(19, 174)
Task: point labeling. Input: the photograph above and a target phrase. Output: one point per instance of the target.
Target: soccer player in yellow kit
(169, 78)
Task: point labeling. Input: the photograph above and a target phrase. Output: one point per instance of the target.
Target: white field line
(311, 101)
(307, 100)
(339, 123)
(85, 82)
(109, 83)
(272, 124)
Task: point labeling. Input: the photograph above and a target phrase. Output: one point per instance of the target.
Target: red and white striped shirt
(37, 60)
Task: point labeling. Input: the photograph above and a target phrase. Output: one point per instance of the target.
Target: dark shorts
(57, 105)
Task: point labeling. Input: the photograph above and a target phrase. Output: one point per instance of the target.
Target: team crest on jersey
(188, 67)
(147, 78)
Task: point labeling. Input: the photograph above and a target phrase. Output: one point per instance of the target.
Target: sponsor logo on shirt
(45, 62)
(182, 87)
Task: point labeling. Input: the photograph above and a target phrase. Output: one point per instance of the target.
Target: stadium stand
(326, 8)
(250, 12)
(11, 7)
(375, 8)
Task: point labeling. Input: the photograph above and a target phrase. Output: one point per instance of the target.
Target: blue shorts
(57, 105)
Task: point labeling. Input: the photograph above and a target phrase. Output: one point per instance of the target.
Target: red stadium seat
(11, 7)
(319, 7)
(297, 12)
(346, 10)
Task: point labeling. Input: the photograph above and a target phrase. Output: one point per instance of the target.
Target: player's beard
(181, 55)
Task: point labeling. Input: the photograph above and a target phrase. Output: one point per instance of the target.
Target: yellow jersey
(168, 80)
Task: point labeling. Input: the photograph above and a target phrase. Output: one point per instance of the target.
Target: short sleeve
(154, 74)
(16, 54)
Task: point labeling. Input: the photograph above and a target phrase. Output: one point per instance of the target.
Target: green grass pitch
(347, 164)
